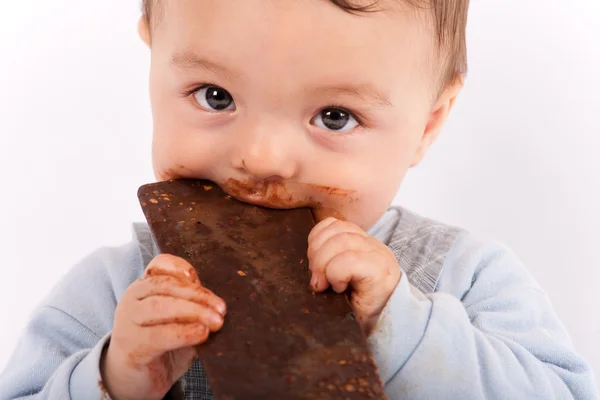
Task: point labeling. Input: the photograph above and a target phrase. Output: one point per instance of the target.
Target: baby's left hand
(341, 254)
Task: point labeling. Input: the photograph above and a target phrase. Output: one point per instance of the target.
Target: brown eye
(335, 119)
(214, 98)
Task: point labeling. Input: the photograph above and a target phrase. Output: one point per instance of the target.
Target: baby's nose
(267, 154)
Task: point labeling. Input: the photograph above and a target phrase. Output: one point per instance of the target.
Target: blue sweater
(477, 327)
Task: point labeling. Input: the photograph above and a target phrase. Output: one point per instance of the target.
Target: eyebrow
(366, 92)
(191, 60)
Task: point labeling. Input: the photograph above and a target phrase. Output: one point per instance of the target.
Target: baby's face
(292, 103)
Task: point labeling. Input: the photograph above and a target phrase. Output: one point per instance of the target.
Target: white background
(519, 160)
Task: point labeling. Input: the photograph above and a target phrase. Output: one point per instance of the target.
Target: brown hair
(449, 19)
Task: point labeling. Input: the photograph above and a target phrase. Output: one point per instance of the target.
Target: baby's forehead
(275, 32)
(443, 22)
(316, 60)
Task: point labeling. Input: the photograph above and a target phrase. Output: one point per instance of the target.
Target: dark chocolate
(280, 340)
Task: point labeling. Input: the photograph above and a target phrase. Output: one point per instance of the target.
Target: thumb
(169, 265)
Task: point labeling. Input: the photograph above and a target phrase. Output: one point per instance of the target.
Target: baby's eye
(335, 119)
(214, 98)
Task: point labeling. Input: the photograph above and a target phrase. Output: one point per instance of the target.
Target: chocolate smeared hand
(279, 340)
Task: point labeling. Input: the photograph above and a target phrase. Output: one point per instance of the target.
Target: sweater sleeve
(488, 332)
(58, 355)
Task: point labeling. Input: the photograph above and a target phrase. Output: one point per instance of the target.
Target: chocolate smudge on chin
(333, 191)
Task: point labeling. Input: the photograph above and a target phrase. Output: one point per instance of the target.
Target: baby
(295, 96)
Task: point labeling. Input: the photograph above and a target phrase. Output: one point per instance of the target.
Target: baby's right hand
(159, 320)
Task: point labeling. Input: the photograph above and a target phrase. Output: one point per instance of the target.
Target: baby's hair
(449, 18)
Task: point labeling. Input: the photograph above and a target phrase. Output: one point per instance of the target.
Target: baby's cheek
(368, 208)
(165, 162)
(176, 160)
(179, 171)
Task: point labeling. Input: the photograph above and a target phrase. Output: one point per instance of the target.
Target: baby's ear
(439, 113)
(144, 30)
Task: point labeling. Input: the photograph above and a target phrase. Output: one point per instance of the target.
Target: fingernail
(314, 281)
(216, 319)
(160, 269)
(221, 308)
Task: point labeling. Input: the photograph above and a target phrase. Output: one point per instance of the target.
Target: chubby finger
(319, 260)
(169, 265)
(335, 227)
(163, 310)
(159, 339)
(350, 268)
(320, 227)
(166, 285)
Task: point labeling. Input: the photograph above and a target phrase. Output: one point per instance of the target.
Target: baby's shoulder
(440, 257)
(482, 266)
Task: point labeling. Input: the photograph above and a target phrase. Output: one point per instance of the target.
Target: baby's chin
(322, 213)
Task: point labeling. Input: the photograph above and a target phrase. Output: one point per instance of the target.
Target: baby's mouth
(267, 194)
(286, 195)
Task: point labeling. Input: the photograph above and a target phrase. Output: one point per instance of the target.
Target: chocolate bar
(279, 340)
